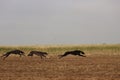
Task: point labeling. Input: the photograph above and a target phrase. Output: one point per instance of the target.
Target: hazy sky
(24, 22)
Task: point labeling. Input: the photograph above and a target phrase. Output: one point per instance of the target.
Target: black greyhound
(38, 53)
(19, 52)
(75, 52)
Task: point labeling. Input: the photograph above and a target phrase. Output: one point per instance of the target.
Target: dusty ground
(68, 68)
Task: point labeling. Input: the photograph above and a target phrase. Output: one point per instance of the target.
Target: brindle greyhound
(75, 52)
(18, 52)
(38, 53)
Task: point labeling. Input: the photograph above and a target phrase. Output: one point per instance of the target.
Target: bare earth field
(68, 68)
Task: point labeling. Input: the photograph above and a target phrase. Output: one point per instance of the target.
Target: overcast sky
(26, 22)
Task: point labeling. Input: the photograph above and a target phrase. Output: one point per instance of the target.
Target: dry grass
(100, 64)
(69, 68)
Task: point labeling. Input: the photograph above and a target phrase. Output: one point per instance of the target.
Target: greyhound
(38, 53)
(75, 52)
(18, 52)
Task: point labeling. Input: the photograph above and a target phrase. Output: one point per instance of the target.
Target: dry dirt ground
(67, 68)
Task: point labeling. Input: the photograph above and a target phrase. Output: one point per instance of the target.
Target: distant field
(102, 63)
(103, 49)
